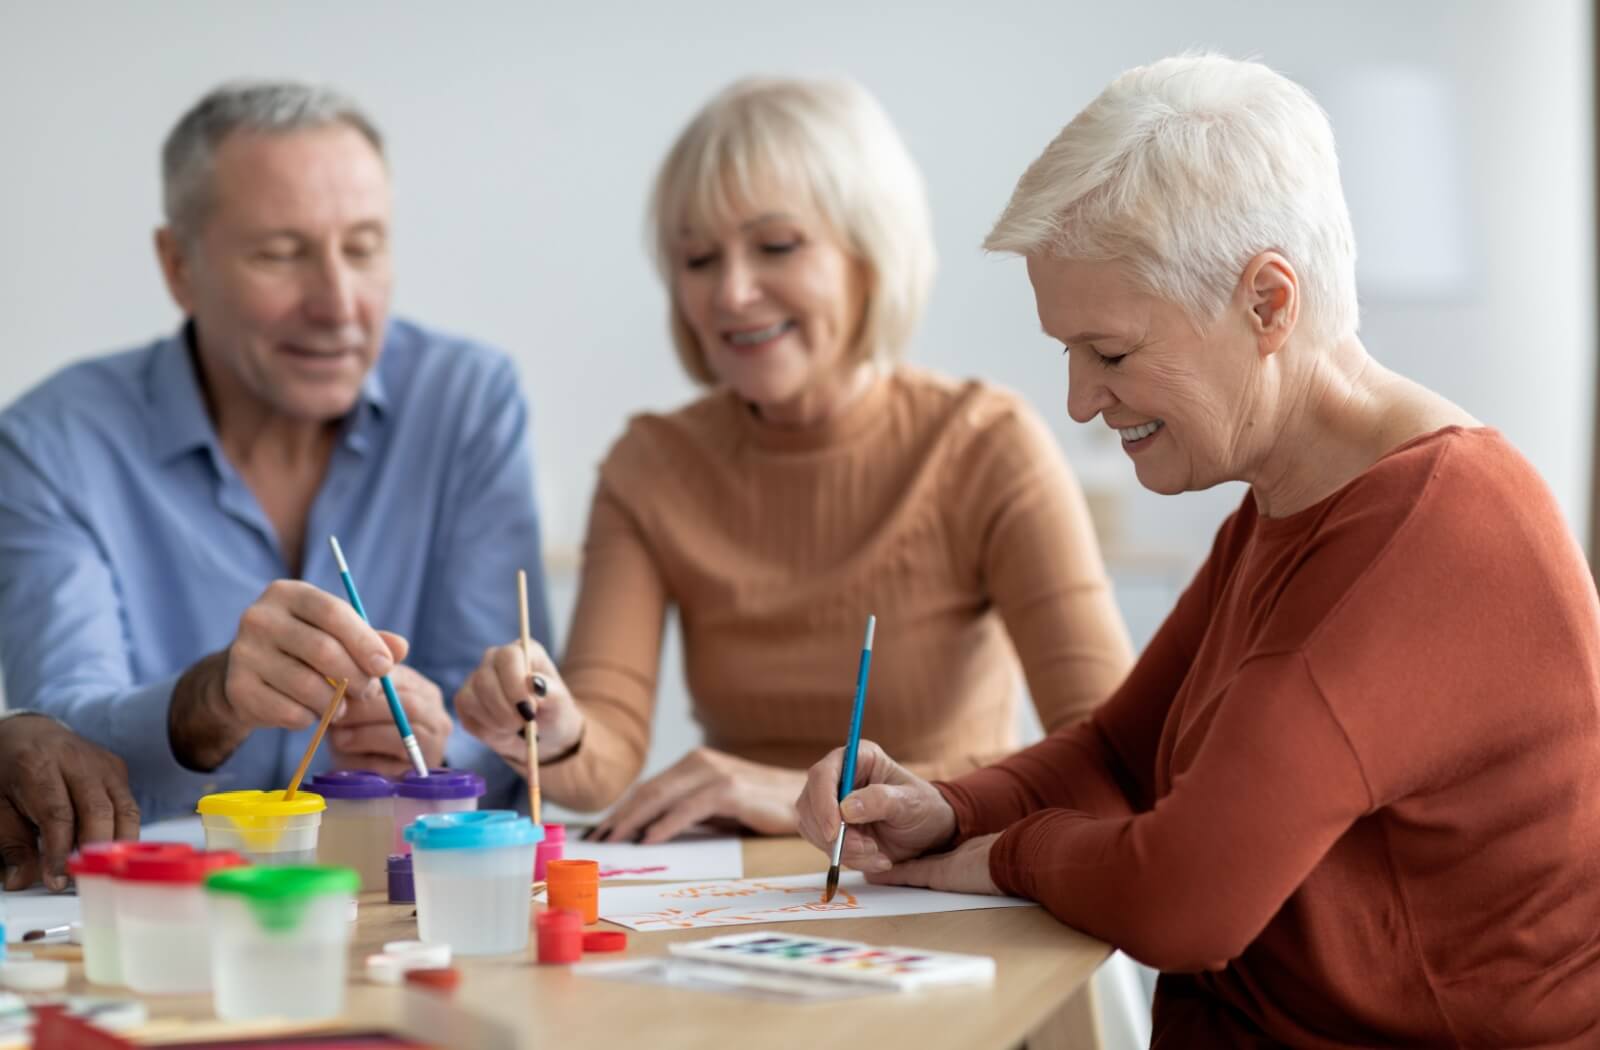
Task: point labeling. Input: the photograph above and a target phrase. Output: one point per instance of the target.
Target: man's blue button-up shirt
(130, 546)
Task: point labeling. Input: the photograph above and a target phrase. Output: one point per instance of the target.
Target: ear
(175, 269)
(1271, 291)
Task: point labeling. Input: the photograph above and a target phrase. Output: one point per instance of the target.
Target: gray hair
(1184, 170)
(269, 106)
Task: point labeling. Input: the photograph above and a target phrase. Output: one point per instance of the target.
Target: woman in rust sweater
(1349, 795)
(816, 482)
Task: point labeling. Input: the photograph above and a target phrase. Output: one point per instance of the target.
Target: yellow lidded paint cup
(263, 826)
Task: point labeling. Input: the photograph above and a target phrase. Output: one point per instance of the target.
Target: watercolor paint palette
(840, 960)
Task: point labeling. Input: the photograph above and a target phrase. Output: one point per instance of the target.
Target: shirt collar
(179, 422)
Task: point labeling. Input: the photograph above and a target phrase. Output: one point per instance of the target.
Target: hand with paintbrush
(517, 703)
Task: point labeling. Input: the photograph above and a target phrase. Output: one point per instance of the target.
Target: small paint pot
(402, 883)
(358, 827)
(163, 927)
(574, 884)
(555, 840)
(560, 936)
(280, 941)
(471, 872)
(441, 791)
(263, 826)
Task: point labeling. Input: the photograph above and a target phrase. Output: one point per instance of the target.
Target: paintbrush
(316, 738)
(396, 711)
(847, 775)
(525, 709)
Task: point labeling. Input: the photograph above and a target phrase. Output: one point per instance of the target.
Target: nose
(737, 286)
(1087, 393)
(331, 297)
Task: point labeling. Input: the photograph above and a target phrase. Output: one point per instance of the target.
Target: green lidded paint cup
(280, 939)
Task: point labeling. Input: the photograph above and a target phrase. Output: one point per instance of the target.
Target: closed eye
(1106, 360)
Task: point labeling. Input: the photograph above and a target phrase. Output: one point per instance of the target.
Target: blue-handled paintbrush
(847, 776)
(401, 723)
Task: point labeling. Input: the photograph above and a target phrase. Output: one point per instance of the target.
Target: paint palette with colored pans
(840, 960)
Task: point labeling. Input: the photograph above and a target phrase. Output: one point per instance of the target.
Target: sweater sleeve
(1105, 765)
(1188, 884)
(612, 659)
(1023, 517)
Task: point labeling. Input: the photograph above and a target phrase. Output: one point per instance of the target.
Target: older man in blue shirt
(166, 586)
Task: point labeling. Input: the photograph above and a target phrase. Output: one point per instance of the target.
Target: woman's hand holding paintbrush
(488, 705)
(892, 814)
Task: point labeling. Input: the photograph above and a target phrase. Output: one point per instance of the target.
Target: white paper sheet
(39, 909)
(677, 861)
(186, 830)
(790, 898)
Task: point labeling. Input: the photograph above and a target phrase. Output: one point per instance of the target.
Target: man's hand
(57, 789)
(364, 735)
(274, 674)
(706, 785)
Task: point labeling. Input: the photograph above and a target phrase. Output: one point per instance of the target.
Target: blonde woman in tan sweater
(816, 481)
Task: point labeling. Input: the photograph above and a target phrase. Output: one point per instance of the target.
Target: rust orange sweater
(1350, 795)
(943, 507)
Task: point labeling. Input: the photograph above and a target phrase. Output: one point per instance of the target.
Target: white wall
(524, 136)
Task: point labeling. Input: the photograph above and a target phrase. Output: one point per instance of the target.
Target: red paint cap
(605, 941)
(444, 979)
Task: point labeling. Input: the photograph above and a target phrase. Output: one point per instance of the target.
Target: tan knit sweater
(944, 508)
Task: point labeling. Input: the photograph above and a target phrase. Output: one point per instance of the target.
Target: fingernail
(851, 807)
(379, 663)
(525, 709)
(540, 686)
(522, 733)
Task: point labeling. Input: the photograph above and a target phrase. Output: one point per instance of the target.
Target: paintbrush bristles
(833, 884)
(316, 738)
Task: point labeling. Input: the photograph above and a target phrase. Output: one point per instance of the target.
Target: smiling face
(775, 302)
(288, 279)
(1186, 403)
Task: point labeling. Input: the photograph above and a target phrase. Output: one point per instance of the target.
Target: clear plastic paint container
(94, 869)
(472, 875)
(280, 941)
(358, 827)
(262, 826)
(163, 933)
(441, 791)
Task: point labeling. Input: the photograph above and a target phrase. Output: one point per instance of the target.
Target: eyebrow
(1086, 337)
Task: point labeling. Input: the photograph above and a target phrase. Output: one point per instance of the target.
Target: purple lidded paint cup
(358, 827)
(441, 791)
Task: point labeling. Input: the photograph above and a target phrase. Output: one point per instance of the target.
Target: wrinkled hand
(893, 814)
(705, 785)
(964, 869)
(290, 641)
(364, 736)
(58, 789)
(487, 705)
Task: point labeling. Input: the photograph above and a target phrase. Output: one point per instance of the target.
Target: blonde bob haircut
(1183, 171)
(828, 139)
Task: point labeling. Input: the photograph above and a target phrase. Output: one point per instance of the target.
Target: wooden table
(516, 1003)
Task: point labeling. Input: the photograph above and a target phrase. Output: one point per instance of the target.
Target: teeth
(761, 336)
(1144, 430)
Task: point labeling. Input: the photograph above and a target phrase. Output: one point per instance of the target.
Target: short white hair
(1184, 170)
(829, 139)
